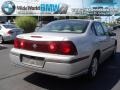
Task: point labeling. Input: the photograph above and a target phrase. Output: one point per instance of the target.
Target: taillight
(22, 44)
(68, 48)
(10, 32)
(62, 47)
(54, 47)
(17, 43)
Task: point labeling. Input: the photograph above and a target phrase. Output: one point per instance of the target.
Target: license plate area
(32, 61)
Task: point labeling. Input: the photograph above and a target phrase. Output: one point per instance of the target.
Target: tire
(114, 52)
(1, 39)
(93, 68)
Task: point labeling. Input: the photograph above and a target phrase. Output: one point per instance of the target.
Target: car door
(102, 40)
(1, 30)
(111, 41)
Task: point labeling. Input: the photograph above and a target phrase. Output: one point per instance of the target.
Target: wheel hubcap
(94, 67)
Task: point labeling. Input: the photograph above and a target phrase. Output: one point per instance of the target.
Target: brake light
(10, 32)
(54, 47)
(22, 44)
(17, 43)
(62, 47)
(67, 47)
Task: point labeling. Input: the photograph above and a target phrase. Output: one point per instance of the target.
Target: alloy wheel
(94, 67)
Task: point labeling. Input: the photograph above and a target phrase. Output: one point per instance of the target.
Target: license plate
(37, 62)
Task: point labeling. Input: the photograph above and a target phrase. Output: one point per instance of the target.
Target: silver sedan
(65, 48)
(9, 32)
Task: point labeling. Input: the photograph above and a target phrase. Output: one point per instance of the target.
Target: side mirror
(112, 34)
(110, 29)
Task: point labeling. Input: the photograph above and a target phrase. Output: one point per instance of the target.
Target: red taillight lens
(68, 48)
(10, 32)
(22, 44)
(55, 47)
(17, 43)
(52, 47)
(62, 47)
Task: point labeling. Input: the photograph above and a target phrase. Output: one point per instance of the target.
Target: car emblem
(8, 7)
(34, 46)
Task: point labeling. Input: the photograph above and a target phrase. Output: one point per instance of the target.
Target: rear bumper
(54, 68)
(8, 38)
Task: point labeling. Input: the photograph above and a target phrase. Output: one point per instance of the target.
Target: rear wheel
(1, 39)
(93, 67)
(114, 51)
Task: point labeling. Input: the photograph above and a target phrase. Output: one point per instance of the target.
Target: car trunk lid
(42, 37)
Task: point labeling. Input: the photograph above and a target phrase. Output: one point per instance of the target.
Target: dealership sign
(60, 7)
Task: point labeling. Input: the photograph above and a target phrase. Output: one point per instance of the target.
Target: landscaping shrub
(28, 23)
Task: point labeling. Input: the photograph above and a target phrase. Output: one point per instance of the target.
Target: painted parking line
(12, 75)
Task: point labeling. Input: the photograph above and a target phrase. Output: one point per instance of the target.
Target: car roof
(89, 20)
(78, 19)
(6, 24)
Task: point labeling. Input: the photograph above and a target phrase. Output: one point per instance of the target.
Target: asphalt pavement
(14, 78)
(6, 69)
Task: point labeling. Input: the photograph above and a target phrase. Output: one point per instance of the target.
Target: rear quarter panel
(84, 48)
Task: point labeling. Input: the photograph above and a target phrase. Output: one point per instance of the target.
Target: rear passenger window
(105, 29)
(99, 29)
(93, 29)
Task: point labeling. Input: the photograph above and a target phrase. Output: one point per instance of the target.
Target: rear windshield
(65, 26)
(9, 26)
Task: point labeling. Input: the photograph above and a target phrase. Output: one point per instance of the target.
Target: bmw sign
(8, 7)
